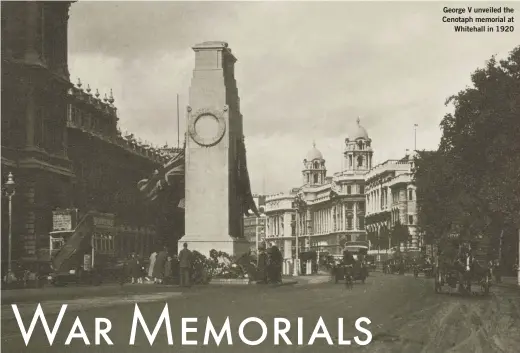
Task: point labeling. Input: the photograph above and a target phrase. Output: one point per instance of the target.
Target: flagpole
(178, 125)
(415, 137)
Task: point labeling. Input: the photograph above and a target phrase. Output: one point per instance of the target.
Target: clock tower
(214, 217)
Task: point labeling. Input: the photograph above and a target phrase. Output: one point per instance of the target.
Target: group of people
(163, 268)
(270, 263)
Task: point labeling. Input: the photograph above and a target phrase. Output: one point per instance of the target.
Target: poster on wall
(64, 220)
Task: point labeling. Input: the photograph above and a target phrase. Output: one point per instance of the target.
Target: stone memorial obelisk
(213, 213)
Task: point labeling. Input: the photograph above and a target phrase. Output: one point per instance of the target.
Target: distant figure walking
(153, 256)
(135, 268)
(185, 265)
(262, 264)
(160, 262)
(168, 271)
(274, 265)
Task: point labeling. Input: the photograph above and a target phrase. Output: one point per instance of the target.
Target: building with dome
(350, 206)
(325, 211)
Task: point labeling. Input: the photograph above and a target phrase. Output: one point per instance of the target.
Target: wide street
(406, 316)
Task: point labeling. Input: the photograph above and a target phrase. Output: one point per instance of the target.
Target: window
(349, 223)
(410, 219)
(350, 160)
(349, 189)
(361, 189)
(410, 194)
(361, 222)
(360, 161)
(316, 178)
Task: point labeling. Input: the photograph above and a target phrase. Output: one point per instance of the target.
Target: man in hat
(262, 264)
(185, 260)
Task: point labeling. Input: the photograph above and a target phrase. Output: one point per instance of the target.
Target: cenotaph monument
(215, 156)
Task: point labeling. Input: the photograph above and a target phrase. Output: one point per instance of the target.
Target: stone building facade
(391, 199)
(107, 165)
(326, 211)
(349, 206)
(35, 82)
(255, 226)
(62, 142)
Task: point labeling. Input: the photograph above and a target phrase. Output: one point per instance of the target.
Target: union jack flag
(172, 173)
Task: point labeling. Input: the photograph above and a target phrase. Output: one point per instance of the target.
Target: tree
(471, 182)
(482, 138)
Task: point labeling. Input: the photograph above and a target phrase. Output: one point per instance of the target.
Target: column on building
(320, 219)
(354, 221)
(332, 209)
(287, 242)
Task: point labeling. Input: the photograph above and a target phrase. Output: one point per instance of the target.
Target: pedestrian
(262, 265)
(185, 258)
(175, 269)
(277, 264)
(142, 270)
(160, 262)
(153, 256)
(135, 268)
(26, 276)
(168, 266)
(498, 274)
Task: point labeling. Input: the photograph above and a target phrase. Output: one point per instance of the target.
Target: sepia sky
(305, 71)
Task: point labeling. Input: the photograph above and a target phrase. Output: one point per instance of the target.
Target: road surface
(405, 313)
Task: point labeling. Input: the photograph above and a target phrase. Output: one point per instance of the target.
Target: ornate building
(63, 145)
(326, 211)
(391, 199)
(280, 223)
(35, 81)
(254, 226)
(108, 165)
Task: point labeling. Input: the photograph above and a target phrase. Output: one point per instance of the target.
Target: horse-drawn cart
(359, 272)
(463, 264)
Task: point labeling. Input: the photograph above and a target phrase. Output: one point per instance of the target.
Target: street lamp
(9, 192)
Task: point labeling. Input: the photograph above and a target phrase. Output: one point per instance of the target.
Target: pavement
(510, 282)
(36, 295)
(405, 313)
(49, 292)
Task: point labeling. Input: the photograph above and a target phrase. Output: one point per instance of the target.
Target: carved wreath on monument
(207, 116)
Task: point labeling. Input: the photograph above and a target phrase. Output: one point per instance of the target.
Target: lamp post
(518, 269)
(9, 192)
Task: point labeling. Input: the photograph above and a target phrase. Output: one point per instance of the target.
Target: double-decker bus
(357, 248)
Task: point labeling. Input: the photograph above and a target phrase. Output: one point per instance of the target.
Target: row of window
(89, 121)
